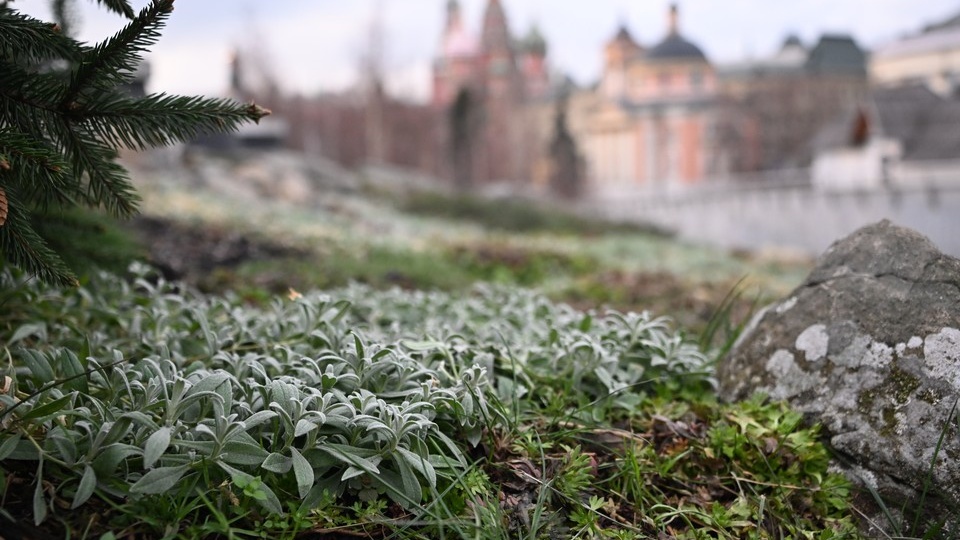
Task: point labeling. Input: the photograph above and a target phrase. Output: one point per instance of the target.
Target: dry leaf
(3, 207)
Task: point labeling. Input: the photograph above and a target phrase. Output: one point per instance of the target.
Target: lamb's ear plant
(268, 423)
(411, 414)
(65, 115)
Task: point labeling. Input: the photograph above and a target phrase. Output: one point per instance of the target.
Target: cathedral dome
(534, 42)
(675, 46)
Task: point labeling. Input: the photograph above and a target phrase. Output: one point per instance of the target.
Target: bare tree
(463, 137)
(566, 165)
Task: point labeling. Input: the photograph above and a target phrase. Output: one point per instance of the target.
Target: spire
(623, 35)
(454, 19)
(456, 41)
(622, 48)
(496, 35)
(674, 46)
(236, 74)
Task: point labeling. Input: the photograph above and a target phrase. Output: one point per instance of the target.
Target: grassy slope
(436, 241)
(562, 461)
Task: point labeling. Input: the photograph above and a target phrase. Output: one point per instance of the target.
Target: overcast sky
(316, 45)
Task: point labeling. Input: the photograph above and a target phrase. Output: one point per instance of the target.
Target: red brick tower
(502, 95)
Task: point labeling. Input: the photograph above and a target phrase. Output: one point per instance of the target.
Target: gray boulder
(869, 346)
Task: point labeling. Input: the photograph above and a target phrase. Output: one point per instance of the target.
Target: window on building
(696, 80)
(499, 66)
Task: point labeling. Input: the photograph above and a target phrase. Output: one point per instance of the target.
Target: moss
(928, 395)
(889, 428)
(828, 370)
(866, 400)
(897, 389)
(903, 384)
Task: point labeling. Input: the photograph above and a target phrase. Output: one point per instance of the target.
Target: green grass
(439, 241)
(515, 215)
(448, 268)
(377, 266)
(87, 240)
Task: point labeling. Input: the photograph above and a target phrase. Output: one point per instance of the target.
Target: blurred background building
(657, 114)
(481, 88)
(930, 57)
(661, 118)
(796, 145)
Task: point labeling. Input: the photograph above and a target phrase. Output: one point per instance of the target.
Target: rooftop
(943, 38)
(675, 46)
(923, 122)
(837, 54)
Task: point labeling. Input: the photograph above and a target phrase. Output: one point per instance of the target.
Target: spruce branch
(161, 119)
(107, 182)
(28, 40)
(30, 88)
(4, 205)
(38, 171)
(113, 62)
(13, 145)
(122, 7)
(63, 116)
(23, 247)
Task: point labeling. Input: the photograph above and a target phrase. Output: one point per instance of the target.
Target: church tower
(533, 64)
(502, 94)
(456, 66)
(491, 78)
(497, 49)
(618, 54)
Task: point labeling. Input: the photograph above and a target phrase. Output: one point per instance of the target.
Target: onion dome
(458, 42)
(534, 42)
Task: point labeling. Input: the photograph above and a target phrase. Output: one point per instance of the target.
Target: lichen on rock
(814, 342)
(869, 346)
(941, 356)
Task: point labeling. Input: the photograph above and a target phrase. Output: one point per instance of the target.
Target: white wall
(844, 169)
(793, 216)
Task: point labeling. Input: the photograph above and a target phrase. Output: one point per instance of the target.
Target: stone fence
(787, 212)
